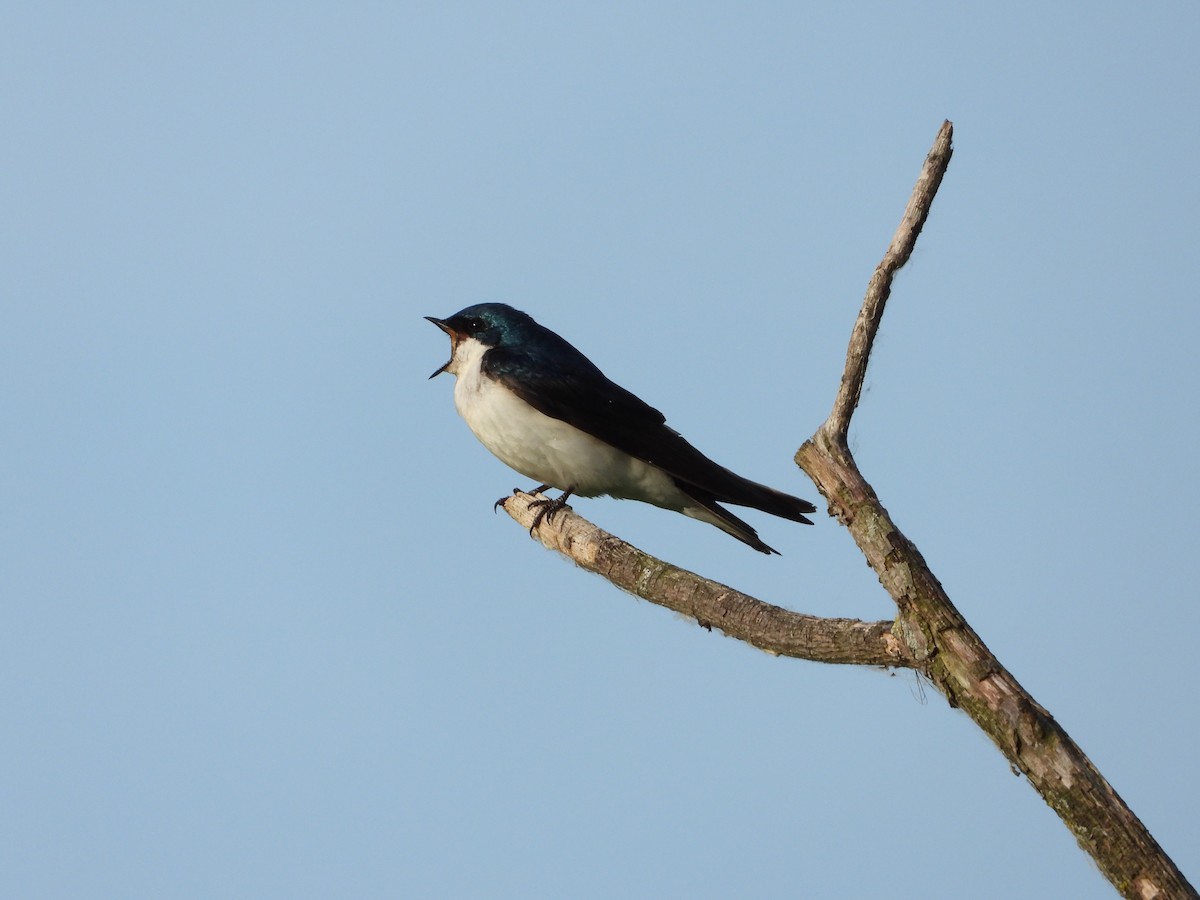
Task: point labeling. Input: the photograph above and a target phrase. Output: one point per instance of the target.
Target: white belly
(552, 452)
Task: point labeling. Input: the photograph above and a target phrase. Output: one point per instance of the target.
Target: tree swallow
(545, 410)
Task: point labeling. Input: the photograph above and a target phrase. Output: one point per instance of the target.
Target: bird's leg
(548, 507)
(537, 490)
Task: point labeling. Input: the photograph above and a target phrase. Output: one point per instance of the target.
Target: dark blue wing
(560, 382)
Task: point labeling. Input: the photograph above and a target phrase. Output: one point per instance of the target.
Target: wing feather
(574, 390)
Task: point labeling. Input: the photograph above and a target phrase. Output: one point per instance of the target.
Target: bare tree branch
(771, 628)
(880, 287)
(951, 653)
(929, 634)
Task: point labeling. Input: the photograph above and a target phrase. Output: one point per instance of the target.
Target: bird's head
(486, 324)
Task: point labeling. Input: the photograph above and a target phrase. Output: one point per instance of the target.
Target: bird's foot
(547, 508)
(537, 490)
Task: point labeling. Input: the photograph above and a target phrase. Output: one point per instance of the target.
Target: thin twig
(880, 287)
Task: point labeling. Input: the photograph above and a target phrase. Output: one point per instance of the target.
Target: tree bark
(929, 634)
(778, 631)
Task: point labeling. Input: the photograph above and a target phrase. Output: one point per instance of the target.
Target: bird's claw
(499, 503)
(547, 510)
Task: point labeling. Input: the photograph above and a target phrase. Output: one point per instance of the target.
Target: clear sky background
(261, 634)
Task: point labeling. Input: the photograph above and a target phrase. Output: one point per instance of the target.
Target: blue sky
(261, 634)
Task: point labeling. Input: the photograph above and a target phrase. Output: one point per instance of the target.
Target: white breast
(548, 450)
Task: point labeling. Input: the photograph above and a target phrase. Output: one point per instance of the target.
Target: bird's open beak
(453, 343)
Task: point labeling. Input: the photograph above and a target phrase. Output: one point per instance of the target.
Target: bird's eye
(474, 324)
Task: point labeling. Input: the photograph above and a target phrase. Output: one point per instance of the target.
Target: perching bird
(544, 409)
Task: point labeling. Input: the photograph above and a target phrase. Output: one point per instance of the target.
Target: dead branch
(929, 634)
(950, 652)
(771, 628)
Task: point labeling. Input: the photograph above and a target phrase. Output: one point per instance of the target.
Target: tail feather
(708, 510)
(729, 487)
(769, 500)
